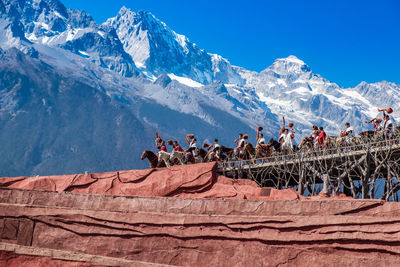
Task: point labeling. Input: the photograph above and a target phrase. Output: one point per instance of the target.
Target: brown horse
(264, 151)
(152, 158)
(249, 151)
(201, 155)
(330, 142)
(306, 144)
(226, 152)
(340, 142)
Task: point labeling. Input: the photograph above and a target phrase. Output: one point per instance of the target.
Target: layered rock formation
(190, 181)
(195, 225)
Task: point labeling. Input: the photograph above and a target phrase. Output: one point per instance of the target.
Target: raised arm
(371, 121)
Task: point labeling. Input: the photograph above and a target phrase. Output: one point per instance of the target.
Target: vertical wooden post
(366, 175)
(300, 189)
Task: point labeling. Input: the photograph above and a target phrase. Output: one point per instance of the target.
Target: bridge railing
(357, 170)
(315, 152)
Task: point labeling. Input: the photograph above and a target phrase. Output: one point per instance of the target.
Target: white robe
(349, 135)
(388, 127)
(261, 141)
(241, 143)
(287, 142)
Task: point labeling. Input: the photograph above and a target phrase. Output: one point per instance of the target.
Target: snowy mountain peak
(124, 10)
(290, 64)
(292, 59)
(131, 18)
(157, 49)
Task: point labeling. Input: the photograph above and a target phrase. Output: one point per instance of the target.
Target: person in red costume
(160, 144)
(321, 137)
(177, 147)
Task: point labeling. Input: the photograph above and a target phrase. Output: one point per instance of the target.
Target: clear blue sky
(345, 41)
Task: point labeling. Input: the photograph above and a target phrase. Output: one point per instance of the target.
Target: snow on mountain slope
(92, 119)
(157, 49)
(184, 89)
(49, 22)
(289, 88)
(185, 81)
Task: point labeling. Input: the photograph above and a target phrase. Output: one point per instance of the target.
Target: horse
(200, 155)
(264, 151)
(275, 144)
(306, 144)
(164, 157)
(213, 155)
(226, 152)
(177, 155)
(330, 142)
(249, 151)
(152, 158)
(341, 142)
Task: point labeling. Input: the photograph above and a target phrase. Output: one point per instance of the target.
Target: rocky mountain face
(89, 97)
(158, 49)
(52, 24)
(50, 123)
(288, 87)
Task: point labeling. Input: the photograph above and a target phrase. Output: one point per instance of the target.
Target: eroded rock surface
(202, 219)
(188, 181)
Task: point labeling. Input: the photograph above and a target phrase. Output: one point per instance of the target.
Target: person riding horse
(160, 144)
(177, 147)
(262, 148)
(321, 137)
(240, 145)
(214, 151)
(348, 134)
(387, 126)
(260, 139)
(287, 141)
(309, 139)
(191, 140)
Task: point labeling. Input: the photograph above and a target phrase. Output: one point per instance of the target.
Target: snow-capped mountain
(92, 96)
(289, 87)
(157, 49)
(52, 24)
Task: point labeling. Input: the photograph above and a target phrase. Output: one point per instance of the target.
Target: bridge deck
(298, 157)
(290, 170)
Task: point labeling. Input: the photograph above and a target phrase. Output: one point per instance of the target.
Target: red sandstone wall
(189, 181)
(209, 221)
(206, 232)
(11, 259)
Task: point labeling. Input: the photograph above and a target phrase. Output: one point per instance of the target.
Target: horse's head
(144, 155)
(274, 143)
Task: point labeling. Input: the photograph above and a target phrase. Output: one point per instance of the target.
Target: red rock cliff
(202, 219)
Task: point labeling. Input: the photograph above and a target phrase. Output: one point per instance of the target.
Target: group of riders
(317, 140)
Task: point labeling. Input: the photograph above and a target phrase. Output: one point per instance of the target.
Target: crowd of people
(383, 127)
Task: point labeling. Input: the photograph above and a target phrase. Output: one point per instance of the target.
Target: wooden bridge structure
(354, 170)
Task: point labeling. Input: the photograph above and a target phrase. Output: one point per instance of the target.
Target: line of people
(386, 129)
(191, 140)
(285, 142)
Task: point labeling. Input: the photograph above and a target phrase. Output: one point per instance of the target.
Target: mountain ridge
(161, 81)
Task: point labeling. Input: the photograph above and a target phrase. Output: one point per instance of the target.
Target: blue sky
(345, 41)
